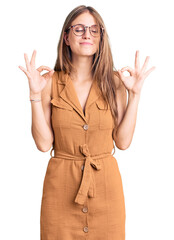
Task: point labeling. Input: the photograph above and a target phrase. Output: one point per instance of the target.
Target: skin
(40, 88)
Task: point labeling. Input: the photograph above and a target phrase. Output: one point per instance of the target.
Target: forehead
(84, 18)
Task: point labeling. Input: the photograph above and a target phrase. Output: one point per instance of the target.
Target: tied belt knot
(87, 186)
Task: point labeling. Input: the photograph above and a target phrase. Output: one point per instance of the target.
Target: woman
(81, 108)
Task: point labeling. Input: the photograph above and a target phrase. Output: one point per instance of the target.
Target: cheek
(97, 44)
(74, 47)
(73, 43)
(96, 47)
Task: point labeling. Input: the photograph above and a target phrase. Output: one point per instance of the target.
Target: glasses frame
(85, 27)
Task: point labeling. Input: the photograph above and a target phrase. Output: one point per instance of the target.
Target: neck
(83, 68)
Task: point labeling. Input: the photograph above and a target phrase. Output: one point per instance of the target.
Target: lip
(86, 43)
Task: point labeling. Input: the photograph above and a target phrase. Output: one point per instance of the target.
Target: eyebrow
(86, 25)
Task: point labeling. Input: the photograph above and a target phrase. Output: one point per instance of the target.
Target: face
(76, 42)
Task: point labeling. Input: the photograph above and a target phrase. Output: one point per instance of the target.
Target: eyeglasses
(80, 29)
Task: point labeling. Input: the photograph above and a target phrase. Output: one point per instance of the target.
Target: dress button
(85, 209)
(85, 127)
(85, 229)
(82, 167)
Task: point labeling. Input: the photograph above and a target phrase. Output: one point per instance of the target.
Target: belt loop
(51, 152)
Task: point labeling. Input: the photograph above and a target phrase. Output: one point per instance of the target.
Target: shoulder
(119, 84)
(117, 80)
(54, 84)
(121, 96)
(47, 91)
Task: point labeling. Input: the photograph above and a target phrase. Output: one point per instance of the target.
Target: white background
(146, 166)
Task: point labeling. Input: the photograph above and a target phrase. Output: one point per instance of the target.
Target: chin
(87, 53)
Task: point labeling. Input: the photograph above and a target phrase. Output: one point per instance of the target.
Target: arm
(41, 119)
(127, 115)
(40, 87)
(126, 118)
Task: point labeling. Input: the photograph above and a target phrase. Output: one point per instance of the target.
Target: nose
(86, 33)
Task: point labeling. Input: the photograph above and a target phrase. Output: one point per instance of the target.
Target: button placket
(85, 127)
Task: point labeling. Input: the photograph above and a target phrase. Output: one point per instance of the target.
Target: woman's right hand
(36, 81)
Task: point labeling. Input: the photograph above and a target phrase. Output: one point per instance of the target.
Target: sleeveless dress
(82, 196)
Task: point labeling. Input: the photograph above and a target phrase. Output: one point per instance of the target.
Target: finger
(121, 75)
(145, 64)
(137, 63)
(49, 75)
(149, 71)
(32, 62)
(41, 68)
(25, 71)
(128, 69)
(27, 62)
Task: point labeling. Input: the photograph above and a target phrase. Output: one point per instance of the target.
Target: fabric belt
(87, 187)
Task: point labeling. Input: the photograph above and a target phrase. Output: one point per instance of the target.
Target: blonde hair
(102, 67)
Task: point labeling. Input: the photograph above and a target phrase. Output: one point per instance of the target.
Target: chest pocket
(61, 113)
(105, 116)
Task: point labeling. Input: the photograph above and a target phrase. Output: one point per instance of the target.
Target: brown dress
(82, 192)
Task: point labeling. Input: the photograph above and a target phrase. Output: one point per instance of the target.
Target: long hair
(102, 68)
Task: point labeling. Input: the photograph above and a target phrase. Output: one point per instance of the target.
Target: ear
(66, 38)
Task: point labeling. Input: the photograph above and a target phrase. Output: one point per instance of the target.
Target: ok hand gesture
(36, 81)
(134, 82)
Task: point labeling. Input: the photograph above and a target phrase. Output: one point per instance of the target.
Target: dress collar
(68, 93)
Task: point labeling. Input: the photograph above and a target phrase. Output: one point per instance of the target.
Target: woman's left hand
(134, 82)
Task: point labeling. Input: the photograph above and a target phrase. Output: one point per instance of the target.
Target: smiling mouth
(85, 43)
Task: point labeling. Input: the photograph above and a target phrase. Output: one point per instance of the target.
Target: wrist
(133, 96)
(35, 95)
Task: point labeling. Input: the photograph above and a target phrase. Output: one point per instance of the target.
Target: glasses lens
(95, 30)
(78, 30)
